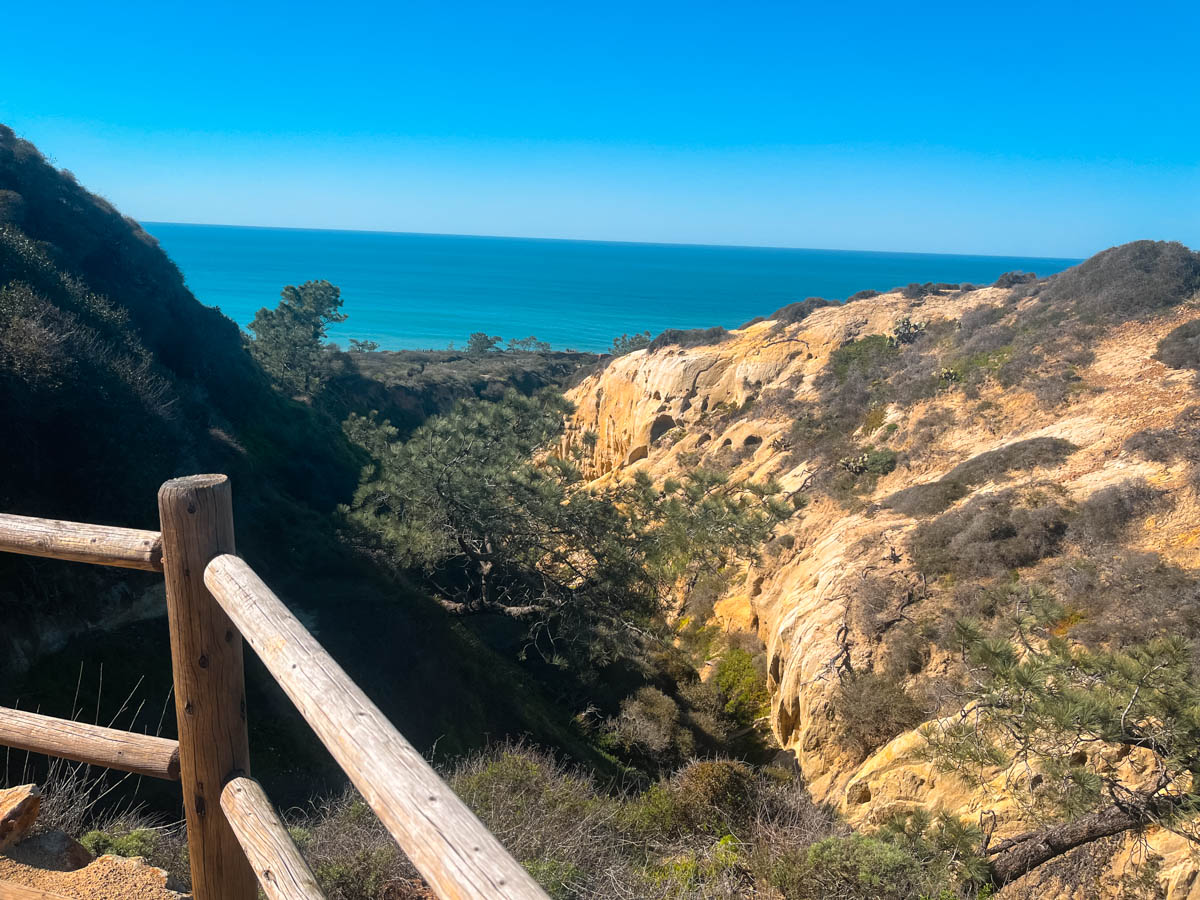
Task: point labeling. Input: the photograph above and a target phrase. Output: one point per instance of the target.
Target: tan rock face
(19, 808)
(661, 412)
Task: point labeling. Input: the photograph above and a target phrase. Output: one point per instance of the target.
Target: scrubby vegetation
(693, 337)
(872, 708)
(1181, 348)
(923, 500)
(1045, 702)
(627, 343)
(991, 534)
(712, 829)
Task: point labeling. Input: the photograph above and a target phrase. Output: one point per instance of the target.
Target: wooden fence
(236, 841)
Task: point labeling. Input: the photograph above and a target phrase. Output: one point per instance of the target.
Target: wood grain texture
(450, 847)
(282, 872)
(93, 744)
(12, 891)
(102, 545)
(210, 692)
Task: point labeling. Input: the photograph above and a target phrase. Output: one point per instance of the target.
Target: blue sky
(1047, 128)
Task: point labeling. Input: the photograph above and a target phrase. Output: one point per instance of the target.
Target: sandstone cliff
(838, 590)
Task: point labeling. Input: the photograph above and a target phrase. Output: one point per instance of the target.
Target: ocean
(420, 291)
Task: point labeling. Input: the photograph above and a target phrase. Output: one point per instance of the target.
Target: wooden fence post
(210, 692)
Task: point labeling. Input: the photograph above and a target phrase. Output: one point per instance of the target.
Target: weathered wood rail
(236, 841)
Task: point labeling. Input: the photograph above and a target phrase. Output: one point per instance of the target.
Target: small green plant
(906, 331)
(870, 462)
(138, 842)
(742, 680)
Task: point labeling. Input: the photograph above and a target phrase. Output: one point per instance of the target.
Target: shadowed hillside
(113, 378)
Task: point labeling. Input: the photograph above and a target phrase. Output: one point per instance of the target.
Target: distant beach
(416, 291)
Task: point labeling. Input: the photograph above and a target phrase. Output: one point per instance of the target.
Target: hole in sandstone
(661, 426)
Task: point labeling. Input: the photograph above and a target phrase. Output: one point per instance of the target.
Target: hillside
(949, 452)
(113, 378)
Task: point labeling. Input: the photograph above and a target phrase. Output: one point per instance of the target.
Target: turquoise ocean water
(411, 291)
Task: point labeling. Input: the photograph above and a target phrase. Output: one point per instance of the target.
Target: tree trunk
(1026, 855)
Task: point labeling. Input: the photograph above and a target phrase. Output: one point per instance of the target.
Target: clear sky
(1044, 128)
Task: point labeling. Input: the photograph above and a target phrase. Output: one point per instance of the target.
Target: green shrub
(742, 680)
(138, 842)
(1012, 279)
(798, 312)
(627, 343)
(860, 867)
(716, 797)
(349, 850)
(864, 355)
(862, 295)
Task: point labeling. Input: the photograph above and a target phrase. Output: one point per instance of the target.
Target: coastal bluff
(734, 401)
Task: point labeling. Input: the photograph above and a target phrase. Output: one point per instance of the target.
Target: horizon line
(522, 237)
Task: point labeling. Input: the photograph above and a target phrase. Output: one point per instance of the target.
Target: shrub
(862, 295)
(649, 728)
(864, 355)
(797, 312)
(1181, 348)
(872, 709)
(979, 317)
(742, 680)
(927, 499)
(138, 842)
(860, 867)
(1012, 279)
(1129, 280)
(1162, 444)
(12, 208)
(694, 337)
(711, 796)
(351, 853)
(990, 535)
(870, 462)
(1105, 514)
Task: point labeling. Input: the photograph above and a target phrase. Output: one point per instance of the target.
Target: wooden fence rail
(281, 870)
(236, 841)
(91, 744)
(457, 855)
(102, 545)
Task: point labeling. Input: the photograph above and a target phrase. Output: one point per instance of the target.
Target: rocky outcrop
(663, 411)
(52, 861)
(19, 808)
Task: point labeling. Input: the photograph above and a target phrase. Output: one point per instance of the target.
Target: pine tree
(507, 527)
(288, 340)
(1060, 718)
